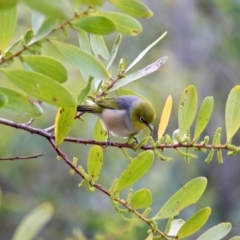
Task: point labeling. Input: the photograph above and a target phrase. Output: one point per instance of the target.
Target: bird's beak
(150, 126)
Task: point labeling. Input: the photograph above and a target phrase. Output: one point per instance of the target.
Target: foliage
(41, 79)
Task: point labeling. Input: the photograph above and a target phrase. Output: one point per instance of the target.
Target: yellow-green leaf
(165, 117)
(133, 8)
(93, 3)
(56, 9)
(95, 24)
(135, 170)
(85, 91)
(84, 41)
(33, 222)
(41, 87)
(204, 116)
(141, 199)
(63, 123)
(20, 105)
(99, 46)
(8, 21)
(187, 109)
(187, 195)
(7, 3)
(124, 23)
(94, 162)
(194, 223)
(47, 66)
(3, 99)
(232, 112)
(217, 232)
(99, 133)
(82, 60)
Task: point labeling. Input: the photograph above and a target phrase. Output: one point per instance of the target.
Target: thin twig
(22, 158)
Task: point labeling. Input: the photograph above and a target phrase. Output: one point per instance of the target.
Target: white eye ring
(141, 119)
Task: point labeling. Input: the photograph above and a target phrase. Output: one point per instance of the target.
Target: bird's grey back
(127, 101)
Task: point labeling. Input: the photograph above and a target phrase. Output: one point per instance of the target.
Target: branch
(21, 158)
(48, 135)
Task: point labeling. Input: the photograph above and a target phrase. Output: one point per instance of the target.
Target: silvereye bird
(123, 116)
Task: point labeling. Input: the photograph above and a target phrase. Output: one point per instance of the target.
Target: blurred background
(203, 46)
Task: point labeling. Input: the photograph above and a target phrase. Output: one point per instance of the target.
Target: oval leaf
(124, 23)
(63, 123)
(194, 223)
(99, 133)
(95, 24)
(135, 170)
(8, 21)
(47, 66)
(187, 195)
(133, 8)
(56, 9)
(165, 117)
(3, 99)
(204, 116)
(41, 87)
(84, 41)
(217, 232)
(33, 222)
(141, 199)
(187, 109)
(94, 162)
(20, 105)
(82, 60)
(99, 46)
(232, 112)
(139, 74)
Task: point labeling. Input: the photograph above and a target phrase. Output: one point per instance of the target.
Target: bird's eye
(141, 119)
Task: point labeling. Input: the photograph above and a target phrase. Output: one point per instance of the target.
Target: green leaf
(194, 223)
(99, 133)
(8, 21)
(93, 3)
(42, 26)
(139, 74)
(135, 170)
(187, 195)
(187, 109)
(114, 51)
(175, 226)
(85, 91)
(95, 24)
(204, 116)
(94, 162)
(123, 23)
(20, 105)
(99, 47)
(141, 199)
(33, 222)
(133, 8)
(7, 3)
(232, 112)
(3, 99)
(234, 238)
(217, 232)
(47, 66)
(145, 51)
(57, 9)
(41, 87)
(63, 123)
(84, 41)
(82, 60)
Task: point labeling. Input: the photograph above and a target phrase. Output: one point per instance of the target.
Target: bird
(123, 116)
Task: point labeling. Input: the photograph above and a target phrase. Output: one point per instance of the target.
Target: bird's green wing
(110, 103)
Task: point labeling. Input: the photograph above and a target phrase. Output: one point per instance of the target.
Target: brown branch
(22, 158)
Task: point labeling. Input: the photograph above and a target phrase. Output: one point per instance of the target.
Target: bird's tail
(85, 108)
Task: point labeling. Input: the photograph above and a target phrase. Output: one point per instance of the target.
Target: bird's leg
(132, 136)
(108, 142)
